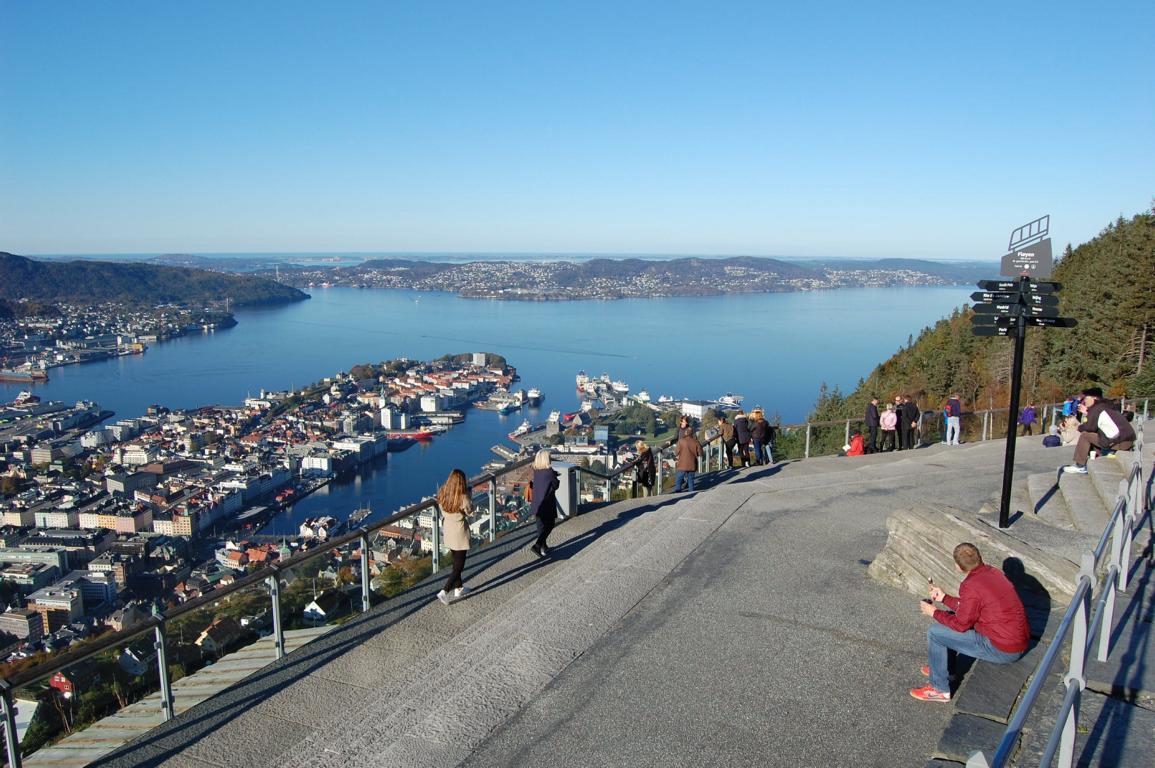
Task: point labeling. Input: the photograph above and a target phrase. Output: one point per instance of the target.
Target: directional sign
(990, 330)
(996, 297)
(999, 320)
(1032, 311)
(999, 285)
(1053, 322)
(997, 309)
(1036, 300)
(1033, 260)
(1041, 286)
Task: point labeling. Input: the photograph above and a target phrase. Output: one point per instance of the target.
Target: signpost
(1008, 307)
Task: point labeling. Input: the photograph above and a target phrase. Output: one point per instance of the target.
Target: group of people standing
(895, 426)
(749, 441)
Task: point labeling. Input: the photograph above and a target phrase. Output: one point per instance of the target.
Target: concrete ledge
(962, 735)
(920, 543)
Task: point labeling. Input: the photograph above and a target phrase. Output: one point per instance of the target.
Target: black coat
(871, 415)
(647, 473)
(909, 414)
(742, 429)
(545, 485)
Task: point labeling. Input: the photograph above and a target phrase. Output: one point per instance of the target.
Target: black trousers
(887, 440)
(544, 526)
(729, 446)
(872, 439)
(912, 440)
(454, 579)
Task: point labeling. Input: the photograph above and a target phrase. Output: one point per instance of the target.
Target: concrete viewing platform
(734, 626)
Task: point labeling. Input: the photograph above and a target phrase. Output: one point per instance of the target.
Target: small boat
(524, 429)
(358, 515)
(533, 397)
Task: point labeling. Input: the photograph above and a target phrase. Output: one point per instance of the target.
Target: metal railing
(1082, 623)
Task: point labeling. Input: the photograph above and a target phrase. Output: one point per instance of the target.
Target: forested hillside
(1108, 286)
(97, 281)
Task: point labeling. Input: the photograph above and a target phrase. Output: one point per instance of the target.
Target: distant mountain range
(135, 282)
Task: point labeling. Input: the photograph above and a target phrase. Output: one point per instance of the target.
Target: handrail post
(278, 626)
(493, 509)
(166, 703)
(1077, 668)
(806, 454)
(1121, 542)
(11, 739)
(846, 440)
(609, 490)
(436, 534)
(364, 570)
(659, 479)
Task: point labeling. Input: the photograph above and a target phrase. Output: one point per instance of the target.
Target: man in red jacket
(986, 621)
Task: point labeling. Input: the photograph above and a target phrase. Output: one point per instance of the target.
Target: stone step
(1087, 509)
(1106, 474)
(1048, 502)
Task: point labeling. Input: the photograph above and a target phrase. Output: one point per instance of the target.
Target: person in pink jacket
(888, 422)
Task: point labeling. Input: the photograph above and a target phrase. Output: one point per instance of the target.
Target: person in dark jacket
(645, 470)
(1104, 428)
(953, 416)
(1027, 420)
(910, 414)
(742, 435)
(872, 423)
(899, 430)
(544, 507)
(760, 437)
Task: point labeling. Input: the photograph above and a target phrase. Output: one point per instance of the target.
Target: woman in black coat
(647, 471)
(544, 506)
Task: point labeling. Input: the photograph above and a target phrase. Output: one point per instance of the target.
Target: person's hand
(926, 608)
(937, 594)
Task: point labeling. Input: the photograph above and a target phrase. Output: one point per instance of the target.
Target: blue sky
(857, 129)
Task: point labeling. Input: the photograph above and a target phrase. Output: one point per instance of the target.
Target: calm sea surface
(773, 348)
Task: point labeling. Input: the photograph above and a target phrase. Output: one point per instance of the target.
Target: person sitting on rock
(986, 621)
(1104, 428)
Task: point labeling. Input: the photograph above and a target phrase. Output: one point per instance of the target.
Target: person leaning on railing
(986, 621)
(646, 470)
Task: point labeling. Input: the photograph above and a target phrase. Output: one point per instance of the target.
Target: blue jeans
(759, 453)
(941, 638)
(683, 475)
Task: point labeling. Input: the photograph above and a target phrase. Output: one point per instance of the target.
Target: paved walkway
(735, 626)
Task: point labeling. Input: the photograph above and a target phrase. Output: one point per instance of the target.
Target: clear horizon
(667, 128)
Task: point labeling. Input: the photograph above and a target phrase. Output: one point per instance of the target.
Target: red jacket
(988, 603)
(857, 446)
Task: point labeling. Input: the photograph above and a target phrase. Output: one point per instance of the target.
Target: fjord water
(773, 348)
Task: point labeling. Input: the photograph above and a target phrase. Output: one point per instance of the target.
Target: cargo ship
(32, 374)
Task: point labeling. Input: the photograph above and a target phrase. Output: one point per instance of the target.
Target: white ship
(620, 387)
(642, 397)
(533, 397)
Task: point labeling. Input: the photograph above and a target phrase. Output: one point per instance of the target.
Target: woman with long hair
(454, 501)
(544, 508)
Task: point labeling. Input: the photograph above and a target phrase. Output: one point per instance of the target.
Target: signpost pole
(1013, 415)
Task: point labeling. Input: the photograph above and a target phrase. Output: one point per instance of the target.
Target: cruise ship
(533, 397)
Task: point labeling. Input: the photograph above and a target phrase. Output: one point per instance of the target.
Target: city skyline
(666, 129)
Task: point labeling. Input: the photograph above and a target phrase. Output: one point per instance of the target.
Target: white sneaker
(461, 592)
(443, 596)
(1075, 468)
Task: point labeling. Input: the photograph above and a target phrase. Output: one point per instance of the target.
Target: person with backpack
(728, 438)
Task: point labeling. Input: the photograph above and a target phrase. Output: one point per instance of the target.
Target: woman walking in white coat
(456, 507)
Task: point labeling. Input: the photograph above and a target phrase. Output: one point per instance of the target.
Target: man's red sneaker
(925, 670)
(929, 693)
